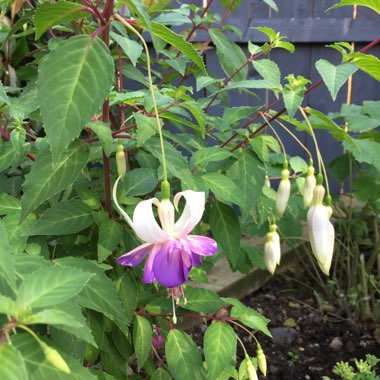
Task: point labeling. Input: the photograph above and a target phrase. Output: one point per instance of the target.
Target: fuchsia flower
(171, 251)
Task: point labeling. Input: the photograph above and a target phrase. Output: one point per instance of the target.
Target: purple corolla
(171, 251)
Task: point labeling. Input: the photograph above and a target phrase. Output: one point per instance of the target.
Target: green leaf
(263, 144)
(225, 228)
(38, 366)
(131, 48)
(249, 173)
(129, 292)
(177, 165)
(224, 188)
(365, 151)
(110, 234)
(142, 339)
(139, 181)
(293, 99)
(231, 56)
(3, 96)
(368, 63)
(271, 33)
(63, 218)
(298, 164)
(179, 43)
(209, 154)
(197, 111)
(83, 82)
(8, 204)
(219, 347)
(204, 81)
(271, 4)
(47, 177)
(161, 374)
(184, 359)
(270, 71)
(53, 317)
(104, 133)
(12, 363)
(7, 270)
(51, 286)
(202, 300)
(146, 128)
(248, 316)
(7, 306)
(373, 4)
(335, 76)
(51, 14)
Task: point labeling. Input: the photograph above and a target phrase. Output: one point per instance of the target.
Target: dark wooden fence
(310, 28)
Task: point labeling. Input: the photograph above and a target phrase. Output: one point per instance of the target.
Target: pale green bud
(55, 358)
(252, 374)
(120, 160)
(283, 192)
(310, 183)
(261, 360)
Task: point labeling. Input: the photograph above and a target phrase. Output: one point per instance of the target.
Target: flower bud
(120, 160)
(272, 249)
(267, 181)
(261, 360)
(321, 231)
(283, 192)
(55, 358)
(252, 374)
(310, 183)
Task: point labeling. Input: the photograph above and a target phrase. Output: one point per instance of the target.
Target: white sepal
(308, 190)
(192, 213)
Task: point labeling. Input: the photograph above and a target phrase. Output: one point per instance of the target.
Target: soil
(307, 342)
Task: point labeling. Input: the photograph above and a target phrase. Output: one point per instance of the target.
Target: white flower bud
(283, 192)
(261, 360)
(321, 231)
(272, 249)
(310, 183)
(55, 358)
(252, 374)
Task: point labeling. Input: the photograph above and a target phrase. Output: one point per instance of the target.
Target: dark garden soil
(307, 342)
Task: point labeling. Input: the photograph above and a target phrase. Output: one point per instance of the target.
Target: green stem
(277, 136)
(321, 164)
(242, 345)
(131, 28)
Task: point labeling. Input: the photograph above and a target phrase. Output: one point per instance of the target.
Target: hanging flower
(321, 231)
(171, 251)
(310, 183)
(283, 192)
(272, 249)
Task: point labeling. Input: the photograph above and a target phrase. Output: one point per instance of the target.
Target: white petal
(145, 225)
(114, 196)
(310, 183)
(319, 233)
(269, 259)
(192, 213)
(283, 194)
(276, 247)
(325, 261)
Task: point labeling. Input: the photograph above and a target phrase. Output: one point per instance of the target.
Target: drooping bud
(54, 358)
(283, 192)
(267, 181)
(251, 371)
(310, 183)
(261, 360)
(321, 231)
(272, 249)
(328, 206)
(120, 159)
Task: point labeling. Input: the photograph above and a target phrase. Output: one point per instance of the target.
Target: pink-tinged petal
(145, 225)
(114, 196)
(192, 213)
(134, 257)
(201, 245)
(148, 277)
(168, 266)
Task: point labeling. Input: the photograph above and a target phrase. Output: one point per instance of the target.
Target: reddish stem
(267, 108)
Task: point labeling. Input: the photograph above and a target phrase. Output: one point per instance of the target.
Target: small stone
(290, 322)
(307, 377)
(336, 343)
(350, 347)
(284, 336)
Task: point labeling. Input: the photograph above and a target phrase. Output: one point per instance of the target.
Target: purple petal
(201, 245)
(168, 266)
(134, 257)
(148, 277)
(196, 260)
